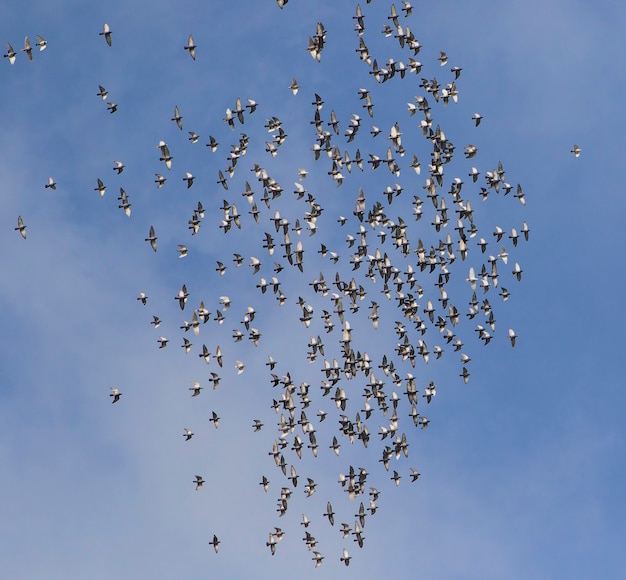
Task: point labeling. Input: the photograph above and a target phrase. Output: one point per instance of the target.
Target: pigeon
(10, 53)
(28, 48)
(191, 47)
(152, 238)
(21, 227)
(106, 32)
(215, 543)
(41, 43)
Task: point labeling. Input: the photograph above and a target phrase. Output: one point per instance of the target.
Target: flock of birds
(381, 269)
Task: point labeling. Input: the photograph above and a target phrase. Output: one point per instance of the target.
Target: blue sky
(522, 468)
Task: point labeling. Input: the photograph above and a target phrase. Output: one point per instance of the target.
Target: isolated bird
(177, 118)
(195, 388)
(152, 238)
(21, 227)
(106, 32)
(215, 543)
(191, 47)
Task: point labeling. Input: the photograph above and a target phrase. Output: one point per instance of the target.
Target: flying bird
(151, 238)
(106, 32)
(191, 47)
(28, 48)
(21, 227)
(10, 53)
(177, 118)
(41, 43)
(215, 543)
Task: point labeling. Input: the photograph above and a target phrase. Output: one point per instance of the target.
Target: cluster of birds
(380, 253)
(10, 54)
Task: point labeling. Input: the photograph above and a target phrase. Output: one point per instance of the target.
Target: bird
(27, 48)
(215, 543)
(188, 434)
(182, 296)
(106, 32)
(212, 143)
(41, 43)
(512, 336)
(102, 93)
(330, 514)
(51, 184)
(10, 53)
(199, 481)
(101, 187)
(293, 87)
(317, 557)
(152, 238)
(177, 118)
(142, 298)
(345, 557)
(115, 393)
(195, 388)
(576, 151)
(21, 227)
(111, 107)
(166, 157)
(188, 179)
(191, 47)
